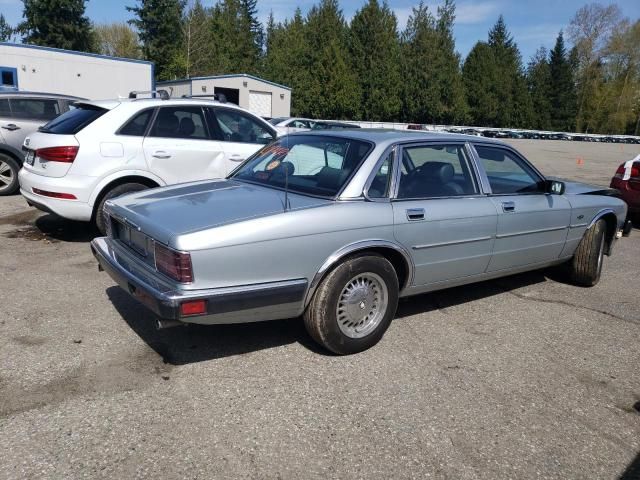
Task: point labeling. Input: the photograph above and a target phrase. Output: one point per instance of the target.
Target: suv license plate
(31, 157)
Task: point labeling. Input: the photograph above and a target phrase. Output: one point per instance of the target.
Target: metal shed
(67, 72)
(257, 95)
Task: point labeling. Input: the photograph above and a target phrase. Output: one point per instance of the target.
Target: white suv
(104, 149)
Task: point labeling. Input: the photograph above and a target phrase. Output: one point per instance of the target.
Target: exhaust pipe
(162, 323)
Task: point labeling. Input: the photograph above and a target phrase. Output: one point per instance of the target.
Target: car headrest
(329, 177)
(187, 127)
(440, 172)
(168, 123)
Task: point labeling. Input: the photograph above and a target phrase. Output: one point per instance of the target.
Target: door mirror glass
(554, 187)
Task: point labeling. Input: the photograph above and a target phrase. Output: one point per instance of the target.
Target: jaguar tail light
(175, 265)
(58, 154)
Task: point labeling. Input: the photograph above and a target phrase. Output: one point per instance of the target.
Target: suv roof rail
(163, 94)
(216, 96)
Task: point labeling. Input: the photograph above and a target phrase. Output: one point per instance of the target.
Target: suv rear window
(71, 122)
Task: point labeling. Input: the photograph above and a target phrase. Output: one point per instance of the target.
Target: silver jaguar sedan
(336, 226)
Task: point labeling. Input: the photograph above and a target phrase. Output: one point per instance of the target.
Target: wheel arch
(101, 190)
(396, 254)
(13, 153)
(609, 216)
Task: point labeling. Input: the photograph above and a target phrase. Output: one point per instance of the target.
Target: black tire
(99, 216)
(9, 168)
(321, 316)
(586, 265)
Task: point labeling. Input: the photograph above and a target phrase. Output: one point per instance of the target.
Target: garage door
(260, 103)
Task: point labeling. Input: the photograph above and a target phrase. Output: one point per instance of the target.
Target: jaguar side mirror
(554, 187)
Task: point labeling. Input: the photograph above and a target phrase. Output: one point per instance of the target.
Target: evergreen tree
(453, 107)
(333, 89)
(235, 45)
(287, 60)
(480, 76)
(6, 31)
(195, 55)
(159, 25)
(510, 85)
(57, 23)
(375, 52)
(562, 93)
(539, 81)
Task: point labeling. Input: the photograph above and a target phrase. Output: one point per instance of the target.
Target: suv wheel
(9, 169)
(354, 305)
(100, 217)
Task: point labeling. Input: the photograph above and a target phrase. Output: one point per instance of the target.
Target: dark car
(331, 125)
(21, 113)
(627, 181)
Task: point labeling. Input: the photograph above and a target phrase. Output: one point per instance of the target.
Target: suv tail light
(58, 154)
(635, 171)
(176, 265)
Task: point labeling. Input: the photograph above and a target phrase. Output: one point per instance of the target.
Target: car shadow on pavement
(197, 343)
(442, 299)
(60, 229)
(633, 470)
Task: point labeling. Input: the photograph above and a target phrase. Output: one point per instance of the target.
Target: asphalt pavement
(521, 377)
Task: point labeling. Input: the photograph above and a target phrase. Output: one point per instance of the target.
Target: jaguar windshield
(315, 165)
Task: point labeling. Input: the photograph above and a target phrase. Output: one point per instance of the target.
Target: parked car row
(542, 135)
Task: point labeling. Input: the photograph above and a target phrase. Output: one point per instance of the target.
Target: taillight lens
(635, 171)
(58, 154)
(176, 265)
(45, 193)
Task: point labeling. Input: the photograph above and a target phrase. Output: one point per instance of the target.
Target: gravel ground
(523, 377)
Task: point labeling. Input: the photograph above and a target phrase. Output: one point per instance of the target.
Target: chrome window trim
(413, 144)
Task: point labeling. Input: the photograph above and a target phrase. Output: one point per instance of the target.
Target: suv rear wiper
(44, 129)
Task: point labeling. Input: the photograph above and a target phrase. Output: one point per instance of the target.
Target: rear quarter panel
(285, 246)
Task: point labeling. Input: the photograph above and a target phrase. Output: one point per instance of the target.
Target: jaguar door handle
(415, 214)
(11, 127)
(508, 206)
(236, 158)
(161, 154)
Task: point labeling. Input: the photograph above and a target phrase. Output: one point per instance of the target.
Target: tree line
(371, 68)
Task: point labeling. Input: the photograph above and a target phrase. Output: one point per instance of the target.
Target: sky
(532, 23)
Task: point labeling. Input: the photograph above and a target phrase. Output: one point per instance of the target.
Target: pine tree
(480, 75)
(6, 31)
(57, 23)
(287, 60)
(510, 86)
(333, 89)
(562, 94)
(418, 55)
(453, 107)
(539, 82)
(375, 52)
(235, 44)
(196, 32)
(159, 25)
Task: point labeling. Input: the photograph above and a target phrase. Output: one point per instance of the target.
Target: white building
(87, 75)
(259, 96)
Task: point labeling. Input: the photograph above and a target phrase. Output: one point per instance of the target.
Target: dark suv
(21, 113)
